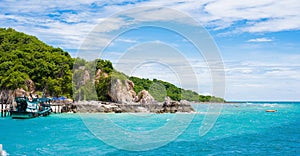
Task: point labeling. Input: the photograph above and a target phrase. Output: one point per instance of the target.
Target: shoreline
(108, 107)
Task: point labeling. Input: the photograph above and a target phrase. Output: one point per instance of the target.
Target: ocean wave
(3, 153)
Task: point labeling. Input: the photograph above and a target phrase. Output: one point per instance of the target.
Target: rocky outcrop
(121, 92)
(124, 99)
(86, 77)
(99, 74)
(144, 97)
(109, 107)
(170, 106)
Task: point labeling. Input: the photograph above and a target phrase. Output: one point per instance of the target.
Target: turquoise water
(241, 129)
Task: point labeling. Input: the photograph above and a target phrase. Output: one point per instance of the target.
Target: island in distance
(31, 65)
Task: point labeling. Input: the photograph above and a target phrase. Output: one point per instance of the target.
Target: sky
(258, 41)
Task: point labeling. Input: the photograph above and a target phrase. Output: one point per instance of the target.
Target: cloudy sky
(257, 40)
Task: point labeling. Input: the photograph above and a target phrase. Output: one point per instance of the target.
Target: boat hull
(45, 112)
(28, 115)
(23, 115)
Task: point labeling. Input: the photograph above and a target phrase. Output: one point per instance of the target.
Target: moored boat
(30, 108)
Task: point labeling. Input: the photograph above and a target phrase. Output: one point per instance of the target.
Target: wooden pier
(5, 110)
(56, 108)
(63, 107)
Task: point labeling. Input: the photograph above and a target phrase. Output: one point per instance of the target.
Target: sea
(215, 129)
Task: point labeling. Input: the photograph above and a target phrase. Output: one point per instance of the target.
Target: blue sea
(228, 129)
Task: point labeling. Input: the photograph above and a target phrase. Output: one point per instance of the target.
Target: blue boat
(27, 108)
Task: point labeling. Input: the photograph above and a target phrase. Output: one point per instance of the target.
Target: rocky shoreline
(110, 107)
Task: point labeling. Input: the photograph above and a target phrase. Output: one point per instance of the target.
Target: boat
(30, 108)
(271, 110)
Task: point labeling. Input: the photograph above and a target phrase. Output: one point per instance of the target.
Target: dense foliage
(160, 89)
(24, 57)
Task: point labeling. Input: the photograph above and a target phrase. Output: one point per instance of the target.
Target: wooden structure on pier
(5, 109)
(63, 107)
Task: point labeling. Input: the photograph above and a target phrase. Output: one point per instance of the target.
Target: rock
(121, 91)
(30, 85)
(86, 77)
(184, 102)
(167, 100)
(98, 74)
(142, 109)
(129, 84)
(107, 107)
(170, 106)
(144, 97)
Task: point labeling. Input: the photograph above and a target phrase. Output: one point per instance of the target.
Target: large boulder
(121, 91)
(170, 106)
(144, 97)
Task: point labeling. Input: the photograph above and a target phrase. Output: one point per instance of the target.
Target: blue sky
(258, 40)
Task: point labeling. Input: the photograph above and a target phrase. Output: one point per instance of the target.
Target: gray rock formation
(144, 97)
(170, 106)
(86, 77)
(124, 99)
(108, 107)
(122, 91)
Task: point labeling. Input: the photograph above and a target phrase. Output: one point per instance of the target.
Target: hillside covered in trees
(157, 88)
(25, 58)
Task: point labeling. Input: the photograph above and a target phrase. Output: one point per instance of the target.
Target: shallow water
(240, 129)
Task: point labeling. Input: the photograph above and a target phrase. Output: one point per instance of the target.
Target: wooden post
(2, 109)
(5, 111)
(11, 109)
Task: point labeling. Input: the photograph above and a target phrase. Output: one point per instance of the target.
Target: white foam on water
(2, 152)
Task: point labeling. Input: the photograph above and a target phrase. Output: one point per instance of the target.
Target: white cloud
(256, 16)
(275, 25)
(127, 40)
(260, 40)
(266, 79)
(76, 18)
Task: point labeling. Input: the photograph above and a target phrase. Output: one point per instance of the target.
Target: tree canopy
(159, 89)
(24, 57)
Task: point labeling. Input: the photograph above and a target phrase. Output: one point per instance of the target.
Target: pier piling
(2, 109)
